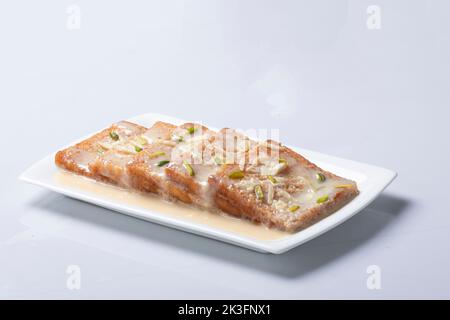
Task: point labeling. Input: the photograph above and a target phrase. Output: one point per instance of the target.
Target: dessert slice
(104, 155)
(161, 166)
(265, 182)
(146, 170)
(191, 164)
(199, 154)
(280, 188)
(179, 162)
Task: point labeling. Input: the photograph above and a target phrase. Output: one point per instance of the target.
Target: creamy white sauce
(177, 210)
(292, 189)
(83, 158)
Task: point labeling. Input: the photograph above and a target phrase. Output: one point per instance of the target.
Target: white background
(311, 68)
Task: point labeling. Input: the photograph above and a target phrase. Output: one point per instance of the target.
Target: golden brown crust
(64, 159)
(236, 203)
(146, 175)
(177, 173)
(78, 158)
(142, 180)
(233, 200)
(140, 171)
(143, 170)
(178, 192)
(112, 170)
(318, 213)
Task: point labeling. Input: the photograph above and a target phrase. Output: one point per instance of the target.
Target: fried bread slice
(191, 164)
(264, 182)
(199, 154)
(103, 156)
(147, 171)
(280, 189)
(179, 164)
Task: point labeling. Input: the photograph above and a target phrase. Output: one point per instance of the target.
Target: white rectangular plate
(371, 182)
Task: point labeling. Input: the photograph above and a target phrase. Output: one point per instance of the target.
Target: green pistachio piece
(188, 168)
(320, 177)
(236, 175)
(322, 199)
(114, 135)
(191, 130)
(137, 148)
(294, 208)
(162, 163)
(259, 192)
(272, 179)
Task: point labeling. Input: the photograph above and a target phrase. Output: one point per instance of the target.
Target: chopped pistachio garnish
(156, 154)
(322, 199)
(191, 130)
(281, 160)
(141, 140)
(114, 135)
(272, 179)
(344, 186)
(236, 175)
(320, 177)
(100, 150)
(162, 163)
(259, 192)
(188, 168)
(294, 208)
(137, 148)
